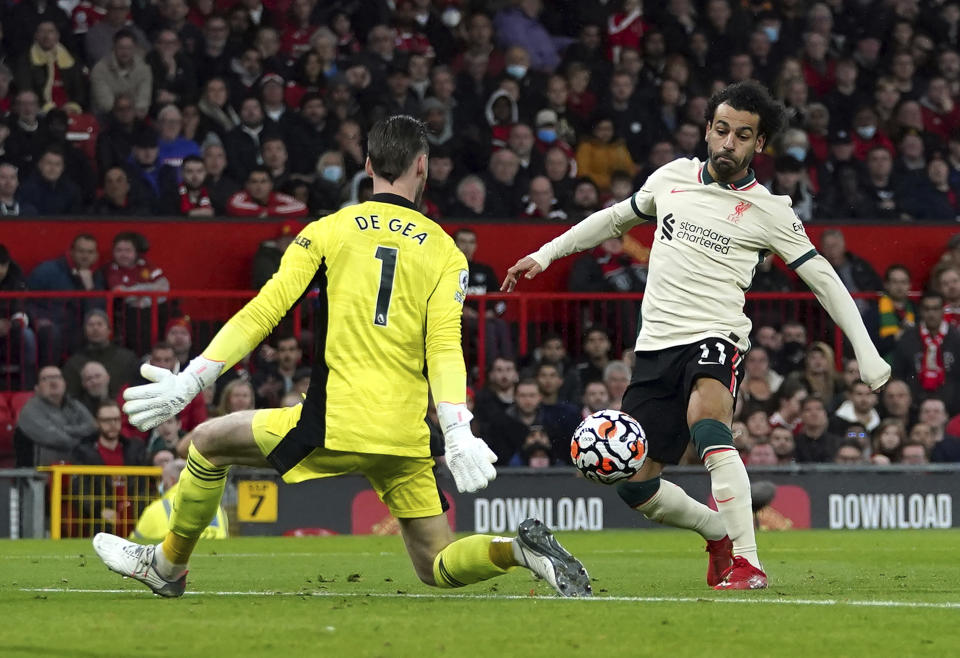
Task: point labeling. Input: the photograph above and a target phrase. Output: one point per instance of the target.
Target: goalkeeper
(391, 289)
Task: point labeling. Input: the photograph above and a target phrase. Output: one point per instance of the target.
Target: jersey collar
(745, 183)
(395, 199)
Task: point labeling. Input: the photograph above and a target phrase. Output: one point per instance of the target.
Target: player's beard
(726, 168)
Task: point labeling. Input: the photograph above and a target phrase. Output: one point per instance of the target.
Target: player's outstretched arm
(830, 291)
(151, 404)
(607, 223)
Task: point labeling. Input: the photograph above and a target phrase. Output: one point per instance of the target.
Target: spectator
(146, 175)
(123, 72)
(616, 377)
(521, 141)
(819, 375)
(600, 156)
(441, 183)
(99, 37)
(933, 414)
(760, 382)
(129, 271)
(48, 190)
(237, 396)
(607, 268)
(162, 356)
(217, 116)
(172, 146)
(520, 25)
(120, 363)
(584, 202)
(814, 442)
(166, 436)
(540, 202)
(116, 200)
(498, 393)
(557, 168)
(784, 445)
(177, 335)
(894, 309)
(192, 199)
(885, 196)
(272, 95)
(948, 281)
(267, 259)
(790, 397)
(508, 429)
(481, 280)
(471, 199)
(596, 398)
(258, 199)
(277, 378)
(915, 454)
(560, 417)
(10, 206)
(897, 402)
(115, 141)
(536, 450)
(769, 278)
(51, 424)
(273, 152)
(94, 386)
(174, 78)
(849, 453)
(314, 134)
(856, 273)
(18, 342)
(757, 422)
(218, 183)
(49, 70)
(242, 144)
(76, 164)
(791, 180)
(927, 355)
(28, 136)
(503, 184)
(887, 438)
(859, 407)
(154, 521)
(111, 447)
(761, 454)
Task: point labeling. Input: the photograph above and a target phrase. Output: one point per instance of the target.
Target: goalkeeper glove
(151, 404)
(469, 459)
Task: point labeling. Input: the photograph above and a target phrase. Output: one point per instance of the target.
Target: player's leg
(214, 446)
(709, 414)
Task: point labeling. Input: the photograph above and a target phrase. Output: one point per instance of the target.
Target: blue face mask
(798, 152)
(332, 173)
(773, 33)
(548, 135)
(516, 71)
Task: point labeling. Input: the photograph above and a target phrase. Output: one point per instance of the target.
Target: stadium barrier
(85, 500)
(824, 496)
(517, 324)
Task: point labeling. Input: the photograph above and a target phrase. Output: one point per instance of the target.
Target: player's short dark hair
(750, 96)
(895, 268)
(394, 143)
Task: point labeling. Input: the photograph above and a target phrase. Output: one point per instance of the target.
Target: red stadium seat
(17, 400)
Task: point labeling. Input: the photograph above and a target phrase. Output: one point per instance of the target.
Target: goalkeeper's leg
(215, 445)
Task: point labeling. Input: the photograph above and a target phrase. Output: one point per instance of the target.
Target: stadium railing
(521, 320)
(85, 500)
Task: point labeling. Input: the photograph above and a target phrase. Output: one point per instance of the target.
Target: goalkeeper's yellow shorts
(406, 485)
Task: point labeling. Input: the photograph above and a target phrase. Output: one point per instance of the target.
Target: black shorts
(660, 388)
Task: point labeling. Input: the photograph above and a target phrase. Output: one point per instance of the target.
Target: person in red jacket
(257, 199)
(193, 414)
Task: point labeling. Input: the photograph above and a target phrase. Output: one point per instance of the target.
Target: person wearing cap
(123, 71)
(147, 177)
(547, 136)
(177, 333)
(121, 364)
(258, 199)
(47, 189)
(272, 90)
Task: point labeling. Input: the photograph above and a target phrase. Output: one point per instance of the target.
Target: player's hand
(526, 266)
(469, 459)
(874, 371)
(151, 404)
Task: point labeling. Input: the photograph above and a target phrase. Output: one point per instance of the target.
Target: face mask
(548, 135)
(798, 152)
(516, 71)
(539, 462)
(332, 173)
(451, 17)
(867, 132)
(773, 33)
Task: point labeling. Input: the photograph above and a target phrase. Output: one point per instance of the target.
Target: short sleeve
(789, 240)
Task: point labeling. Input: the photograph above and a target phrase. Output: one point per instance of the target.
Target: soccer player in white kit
(715, 224)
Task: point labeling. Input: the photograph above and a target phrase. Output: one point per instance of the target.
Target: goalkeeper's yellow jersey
(391, 287)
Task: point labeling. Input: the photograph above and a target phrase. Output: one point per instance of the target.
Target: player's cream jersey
(391, 288)
(710, 237)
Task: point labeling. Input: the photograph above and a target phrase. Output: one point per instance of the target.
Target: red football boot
(742, 575)
(721, 559)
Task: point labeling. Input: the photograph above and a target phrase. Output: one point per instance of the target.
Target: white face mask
(516, 71)
(867, 132)
(332, 173)
(798, 152)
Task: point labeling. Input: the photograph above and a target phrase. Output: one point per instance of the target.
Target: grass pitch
(832, 593)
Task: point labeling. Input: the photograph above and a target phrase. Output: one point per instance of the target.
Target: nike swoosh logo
(678, 191)
(708, 363)
(726, 500)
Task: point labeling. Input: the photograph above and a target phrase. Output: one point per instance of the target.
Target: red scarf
(932, 371)
(186, 205)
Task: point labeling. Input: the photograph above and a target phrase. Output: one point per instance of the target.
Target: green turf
(357, 596)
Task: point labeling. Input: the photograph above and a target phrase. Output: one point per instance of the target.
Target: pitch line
(518, 597)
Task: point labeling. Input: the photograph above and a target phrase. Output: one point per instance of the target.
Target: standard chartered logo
(668, 227)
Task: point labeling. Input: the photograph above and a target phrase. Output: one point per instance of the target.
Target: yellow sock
(468, 560)
(194, 506)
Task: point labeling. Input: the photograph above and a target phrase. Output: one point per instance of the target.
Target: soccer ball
(608, 446)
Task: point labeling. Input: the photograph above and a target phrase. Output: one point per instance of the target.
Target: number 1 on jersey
(388, 265)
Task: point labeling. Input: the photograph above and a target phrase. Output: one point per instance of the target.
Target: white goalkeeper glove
(469, 459)
(151, 404)
(874, 371)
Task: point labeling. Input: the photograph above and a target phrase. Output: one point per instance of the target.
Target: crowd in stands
(544, 109)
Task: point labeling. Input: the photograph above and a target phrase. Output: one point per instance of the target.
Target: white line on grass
(517, 597)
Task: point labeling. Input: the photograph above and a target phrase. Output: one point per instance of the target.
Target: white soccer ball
(608, 446)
